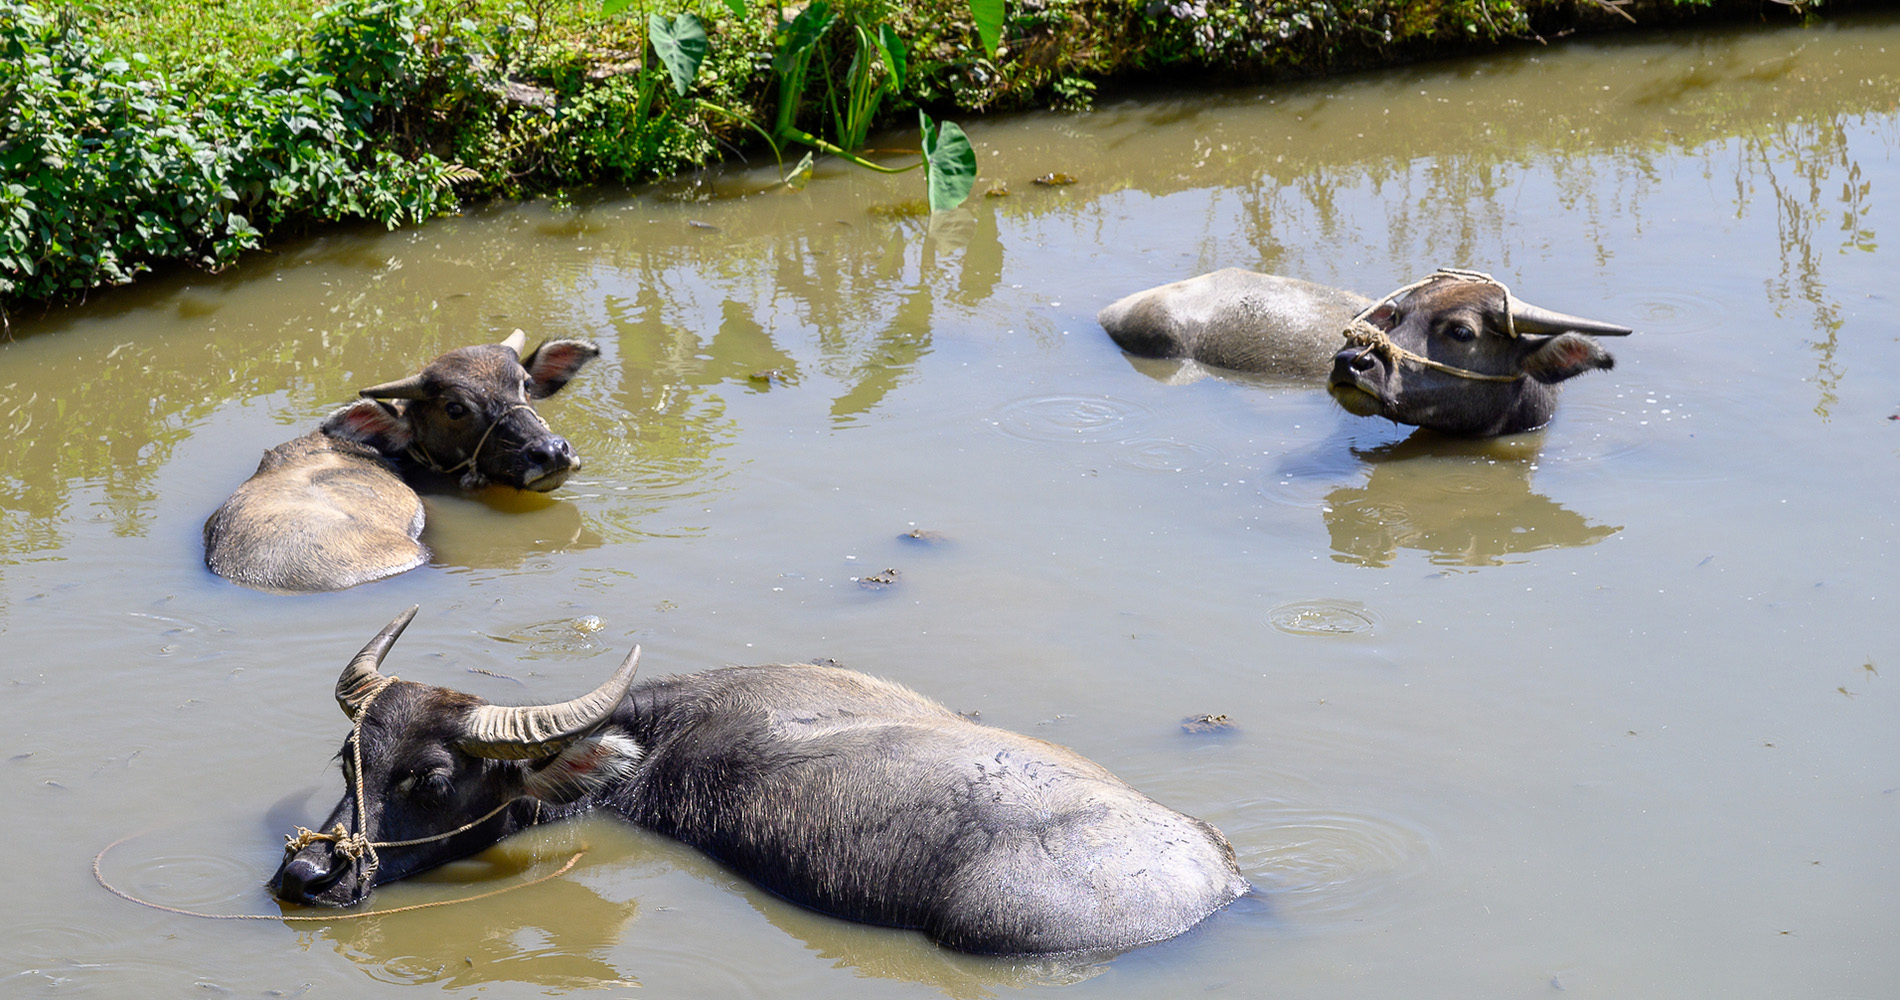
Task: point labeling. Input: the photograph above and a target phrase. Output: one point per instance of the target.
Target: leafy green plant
(107, 168)
(877, 70)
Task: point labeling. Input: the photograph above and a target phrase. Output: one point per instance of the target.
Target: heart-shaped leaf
(682, 46)
(950, 162)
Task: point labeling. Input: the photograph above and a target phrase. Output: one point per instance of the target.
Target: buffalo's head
(433, 761)
(470, 414)
(1463, 356)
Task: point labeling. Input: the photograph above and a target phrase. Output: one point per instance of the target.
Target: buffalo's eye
(455, 410)
(1460, 332)
(432, 787)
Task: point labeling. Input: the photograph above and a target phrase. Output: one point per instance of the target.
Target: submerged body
(1455, 353)
(1241, 320)
(845, 793)
(320, 513)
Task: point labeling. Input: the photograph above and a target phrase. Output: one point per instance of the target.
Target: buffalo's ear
(1566, 356)
(373, 422)
(553, 363)
(582, 767)
(1385, 317)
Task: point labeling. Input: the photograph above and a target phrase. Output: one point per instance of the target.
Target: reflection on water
(554, 934)
(909, 957)
(576, 933)
(1463, 503)
(500, 528)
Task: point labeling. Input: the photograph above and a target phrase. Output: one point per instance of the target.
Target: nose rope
(353, 846)
(427, 461)
(1368, 338)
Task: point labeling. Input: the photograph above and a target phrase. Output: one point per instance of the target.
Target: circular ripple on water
(175, 868)
(1661, 311)
(1323, 868)
(1323, 617)
(1166, 455)
(1625, 438)
(1072, 418)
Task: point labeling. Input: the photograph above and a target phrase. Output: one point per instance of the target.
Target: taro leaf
(681, 45)
(895, 58)
(736, 6)
(988, 15)
(950, 162)
(609, 8)
(802, 33)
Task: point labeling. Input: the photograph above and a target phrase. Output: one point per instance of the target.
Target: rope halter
(422, 457)
(1360, 333)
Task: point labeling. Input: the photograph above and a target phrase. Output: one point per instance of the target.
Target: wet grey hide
(839, 791)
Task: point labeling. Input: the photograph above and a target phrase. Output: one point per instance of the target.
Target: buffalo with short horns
(335, 507)
(1455, 353)
(850, 795)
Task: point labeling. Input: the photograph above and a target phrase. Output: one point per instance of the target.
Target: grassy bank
(193, 131)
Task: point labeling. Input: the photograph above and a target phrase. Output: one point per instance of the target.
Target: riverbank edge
(432, 116)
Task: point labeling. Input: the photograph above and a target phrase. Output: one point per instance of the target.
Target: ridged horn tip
(364, 674)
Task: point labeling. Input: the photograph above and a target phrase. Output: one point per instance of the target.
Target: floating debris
(924, 536)
(1055, 179)
(879, 581)
(1207, 724)
(559, 636)
(999, 189)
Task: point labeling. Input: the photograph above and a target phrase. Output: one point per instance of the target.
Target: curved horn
(516, 341)
(535, 731)
(402, 388)
(1535, 319)
(362, 676)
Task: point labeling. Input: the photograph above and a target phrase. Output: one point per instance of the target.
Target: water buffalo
(842, 792)
(1456, 352)
(332, 509)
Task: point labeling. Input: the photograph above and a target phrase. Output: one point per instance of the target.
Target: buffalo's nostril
(303, 879)
(1361, 362)
(552, 453)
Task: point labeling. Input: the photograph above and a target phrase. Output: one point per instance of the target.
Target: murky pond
(1609, 709)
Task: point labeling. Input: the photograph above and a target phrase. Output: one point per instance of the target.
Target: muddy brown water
(1611, 709)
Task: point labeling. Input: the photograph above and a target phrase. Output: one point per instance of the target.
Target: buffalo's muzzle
(547, 463)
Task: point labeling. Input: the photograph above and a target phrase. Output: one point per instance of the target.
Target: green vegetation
(191, 131)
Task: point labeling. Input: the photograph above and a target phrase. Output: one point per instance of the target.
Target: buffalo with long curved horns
(842, 792)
